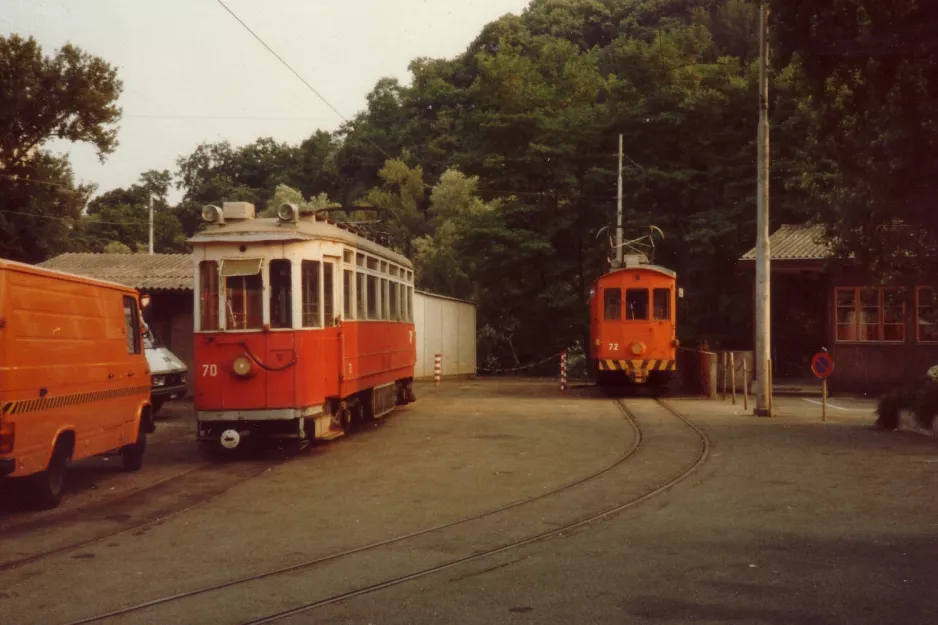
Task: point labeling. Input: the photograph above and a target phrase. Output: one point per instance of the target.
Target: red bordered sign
(822, 365)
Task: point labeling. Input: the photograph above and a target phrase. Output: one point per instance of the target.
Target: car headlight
(182, 379)
(159, 380)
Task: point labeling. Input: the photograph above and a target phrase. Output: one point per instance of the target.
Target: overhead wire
(294, 72)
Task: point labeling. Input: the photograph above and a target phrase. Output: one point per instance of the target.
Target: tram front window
(244, 293)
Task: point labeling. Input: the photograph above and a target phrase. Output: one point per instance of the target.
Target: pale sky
(191, 73)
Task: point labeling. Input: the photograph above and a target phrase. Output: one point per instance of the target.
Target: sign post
(822, 365)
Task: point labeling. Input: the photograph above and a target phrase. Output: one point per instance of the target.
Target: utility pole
(763, 353)
(151, 224)
(619, 234)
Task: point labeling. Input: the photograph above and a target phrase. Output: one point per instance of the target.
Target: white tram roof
(307, 228)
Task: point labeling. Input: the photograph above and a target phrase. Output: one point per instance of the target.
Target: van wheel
(132, 455)
(47, 487)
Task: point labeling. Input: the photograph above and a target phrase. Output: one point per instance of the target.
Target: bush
(926, 405)
(888, 409)
(920, 398)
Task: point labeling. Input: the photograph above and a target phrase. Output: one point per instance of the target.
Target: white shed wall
(448, 327)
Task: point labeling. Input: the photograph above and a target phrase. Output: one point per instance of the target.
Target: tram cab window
(348, 284)
(328, 293)
(281, 289)
(636, 304)
(208, 295)
(244, 293)
(310, 303)
(612, 304)
(409, 303)
(662, 304)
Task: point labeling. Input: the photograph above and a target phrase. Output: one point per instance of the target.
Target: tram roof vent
(238, 210)
(634, 260)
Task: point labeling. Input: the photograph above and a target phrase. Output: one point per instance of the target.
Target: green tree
(40, 209)
(400, 195)
(122, 215)
(69, 96)
(873, 82)
(439, 264)
(284, 195)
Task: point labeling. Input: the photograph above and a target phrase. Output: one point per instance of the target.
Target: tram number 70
(209, 371)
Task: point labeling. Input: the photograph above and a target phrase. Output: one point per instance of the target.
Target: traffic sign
(822, 365)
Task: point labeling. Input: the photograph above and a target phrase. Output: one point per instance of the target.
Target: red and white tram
(301, 326)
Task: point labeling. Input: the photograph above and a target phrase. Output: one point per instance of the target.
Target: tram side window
(612, 303)
(348, 284)
(372, 297)
(208, 295)
(636, 304)
(328, 293)
(310, 271)
(360, 292)
(662, 304)
(394, 302)
(281, 289)
(385, 300)
(410, 303)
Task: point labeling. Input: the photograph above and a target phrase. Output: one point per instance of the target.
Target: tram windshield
(636, 304)
(244, 293)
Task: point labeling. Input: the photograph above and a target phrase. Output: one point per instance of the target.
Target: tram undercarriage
(227, 429)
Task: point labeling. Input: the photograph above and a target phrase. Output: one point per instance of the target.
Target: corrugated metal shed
(793, 242)
(445, 326)
(146, 272)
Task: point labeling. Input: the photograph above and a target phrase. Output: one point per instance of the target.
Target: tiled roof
(791, 242)
(157, 272)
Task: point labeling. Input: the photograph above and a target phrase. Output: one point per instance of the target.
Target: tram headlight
(637, 349)
(288, 212)
(241, 367)
(213, 214)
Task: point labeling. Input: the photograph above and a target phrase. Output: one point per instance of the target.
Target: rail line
(698, 462)
(624, 457)
(124, 499)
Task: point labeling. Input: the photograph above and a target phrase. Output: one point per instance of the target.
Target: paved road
(788, 521)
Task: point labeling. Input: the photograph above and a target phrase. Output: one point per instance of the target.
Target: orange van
(74, 380)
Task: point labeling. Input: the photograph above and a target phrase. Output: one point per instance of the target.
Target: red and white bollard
(437, 367)
(563, 371)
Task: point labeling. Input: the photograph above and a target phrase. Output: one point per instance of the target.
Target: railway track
(689, 468)
(160, 501)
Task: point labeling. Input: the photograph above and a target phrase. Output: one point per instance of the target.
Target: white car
(169, 372)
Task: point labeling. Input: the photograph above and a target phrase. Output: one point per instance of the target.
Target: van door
(130, 373)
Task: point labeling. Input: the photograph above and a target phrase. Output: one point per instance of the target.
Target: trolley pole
(763, 407)
(151, 224)
(619, 233)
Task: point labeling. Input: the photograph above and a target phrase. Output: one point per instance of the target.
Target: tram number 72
(209, 371)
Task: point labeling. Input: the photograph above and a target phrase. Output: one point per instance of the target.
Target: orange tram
(633, 337)
(302, 327)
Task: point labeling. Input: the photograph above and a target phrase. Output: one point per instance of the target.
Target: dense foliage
(496, 169)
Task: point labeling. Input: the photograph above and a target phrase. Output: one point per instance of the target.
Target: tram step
(329, 435)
